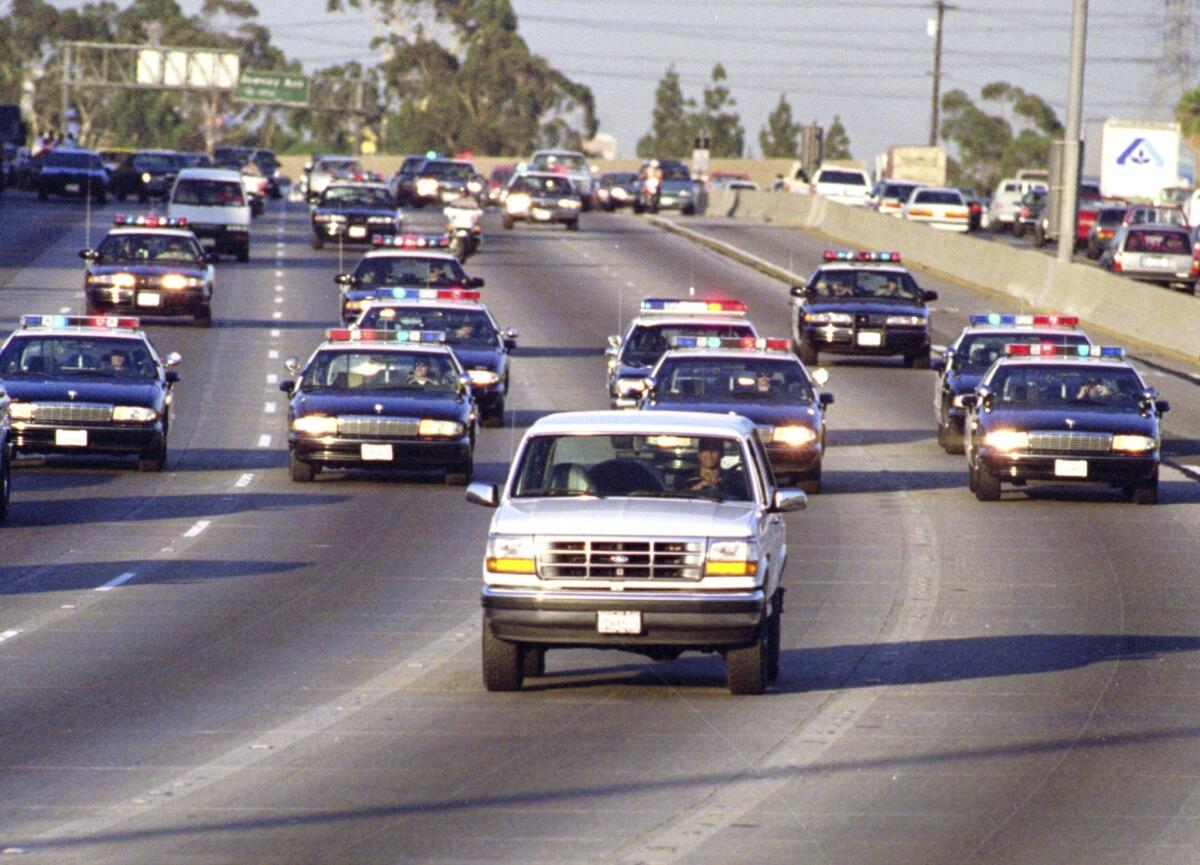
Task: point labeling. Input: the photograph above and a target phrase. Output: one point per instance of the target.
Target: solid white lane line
(272, 378)
(117, 581)
(197, 528)
(269, 408)
(244, 480)
(264, 441)
(273, 354)
(8, 635)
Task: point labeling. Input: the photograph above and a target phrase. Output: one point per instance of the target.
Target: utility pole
(935, 25)
(1071, 144)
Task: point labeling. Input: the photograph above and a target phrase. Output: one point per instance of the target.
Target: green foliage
(719, 119)
(778, 139)
(1187, 113)
(677, 122)
(988, 147)
(837, 142)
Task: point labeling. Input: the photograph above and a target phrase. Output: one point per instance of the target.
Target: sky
(868, 63)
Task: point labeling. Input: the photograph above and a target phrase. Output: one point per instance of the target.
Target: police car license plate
(71, 187)
(70, 438)
(149, 298)
(619, 622)
(379, 453)
(357, 231)
(541, 214)
(871, 338)
(1070, 468)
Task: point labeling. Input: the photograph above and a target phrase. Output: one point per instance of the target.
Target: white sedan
(938, 207)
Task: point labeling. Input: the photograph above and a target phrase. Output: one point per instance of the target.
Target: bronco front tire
(503, 666)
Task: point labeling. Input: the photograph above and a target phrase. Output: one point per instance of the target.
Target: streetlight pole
(936, 23)
(1071, 145)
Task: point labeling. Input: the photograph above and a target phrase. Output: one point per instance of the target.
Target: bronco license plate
(619, 622)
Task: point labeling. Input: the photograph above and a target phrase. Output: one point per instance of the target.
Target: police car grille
(72, 412)
(867, 320)
(1070, 442)
(680, 559)
(369, 426)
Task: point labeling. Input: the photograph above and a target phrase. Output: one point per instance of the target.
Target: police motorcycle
(463, 216)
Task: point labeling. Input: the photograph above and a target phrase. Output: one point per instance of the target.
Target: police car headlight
(123, 280)
(631, 385)
(618, 192)
(511, 554)
(794, 436)
(474, 186)
(828, 318)
(517, 202)
(321, 217)
(569, 203)
(357, 305)
(145, 177)
(316, 425)
(439, 428)
(20, 410)
(957, 402)
(911, 320)
(1132, 444)
(238, 229)
(134, 414)
(684, 193)
(483, 377)
(380, 220)
(427, 186)
(177, 281)
(731, 558)
(1007, 440)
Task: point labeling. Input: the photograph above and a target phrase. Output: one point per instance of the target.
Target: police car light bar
(354, 334)
(677, 306)
(995, 318)
(411, 241)
(1054, 350)
(109, 322)
(729, 342)
(429, 294)
(149, 220)
(861, 255)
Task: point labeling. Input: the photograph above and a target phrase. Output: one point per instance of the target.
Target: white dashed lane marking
(197, 528)
(277, 314)
(117, 581)
(272, 378)
(264, 441)
(274, 333)
(273, 354)
(8, 635)
(269, 408)
(244, 481)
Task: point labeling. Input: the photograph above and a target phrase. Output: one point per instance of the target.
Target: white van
(844, 185)
(214, 203)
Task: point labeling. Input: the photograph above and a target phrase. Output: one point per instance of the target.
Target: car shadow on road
(90, 576)
(74, 511)
(866, 437)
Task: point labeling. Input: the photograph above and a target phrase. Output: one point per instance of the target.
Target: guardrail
(1147, 313)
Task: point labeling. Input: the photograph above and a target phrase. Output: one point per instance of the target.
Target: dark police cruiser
(862, 303)
(87, 385)
(981, 343)
(403, 261)
(151, 265)
(759, 379)
(1064, 414)
(471, 332)
(354, 213)
(631, 358)
(381, 400)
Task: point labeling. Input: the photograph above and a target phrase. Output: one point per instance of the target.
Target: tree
(778, 139)
(837, 142)
(1187, 112)
(717, 119)
(670, 134)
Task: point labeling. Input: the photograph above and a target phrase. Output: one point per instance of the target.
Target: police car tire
(5, 488)
(573, 225)
(318, 242)
(460, 476)
(301, 471)
(43, 195)
(243, 254)
(746, 666)
(503, 666)
(493, 420)
(950, 440)
(808, 354)
(987, 488)
(1146, 492)
(810, 482)
(918, 361)
(533, 662)
(508, 223)
(153, 461)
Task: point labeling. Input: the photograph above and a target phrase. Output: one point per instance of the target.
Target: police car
(381, 400)
(5, 468)
(1064, 414)
(354, 213)
(861, 302)
(471, 332)
(540, 196)
(980, 344)
(87, 385)
(759, 379)
(151, 265)
(402, 261)
(631, 358)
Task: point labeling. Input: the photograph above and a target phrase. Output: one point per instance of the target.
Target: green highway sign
(273, 87)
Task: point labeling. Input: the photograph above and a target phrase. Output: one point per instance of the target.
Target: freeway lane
(297, 680)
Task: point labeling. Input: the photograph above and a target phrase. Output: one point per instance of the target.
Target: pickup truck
(648, 532)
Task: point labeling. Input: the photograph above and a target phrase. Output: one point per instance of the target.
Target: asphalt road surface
(215, 665)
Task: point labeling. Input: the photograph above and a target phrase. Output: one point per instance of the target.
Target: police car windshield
(976, 352)
(469, 328)
(383, 271)
(448, 169)
(648, 341)
(554, 185)
(353, 369)
(78, 356)
(638, 466)
(675, 171)
(1076, 386)
(733, 379)
(356, 196)
(865, 283)
(150, 248)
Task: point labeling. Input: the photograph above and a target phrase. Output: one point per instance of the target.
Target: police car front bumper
(787, 460)
(375, 453)
(1068, 467)
(866, 340)
(85, 440)
(150, 300)
(352, 232)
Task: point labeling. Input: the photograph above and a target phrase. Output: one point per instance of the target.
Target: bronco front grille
(72, 412)
(1070, 442)
(617, 559)
(369, 426)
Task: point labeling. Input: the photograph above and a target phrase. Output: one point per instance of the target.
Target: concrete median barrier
(1147, 313)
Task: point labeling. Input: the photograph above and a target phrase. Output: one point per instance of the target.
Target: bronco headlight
(731, 558)
(828, 318)
(177, 281)
(439, 428)
(511, 554)
(134, 414)
(20, 410)
(1006, 440)
(483, 377)
(316, 425)
(517, 202)
(794, 436)
(1132, 444)
(910, 320)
